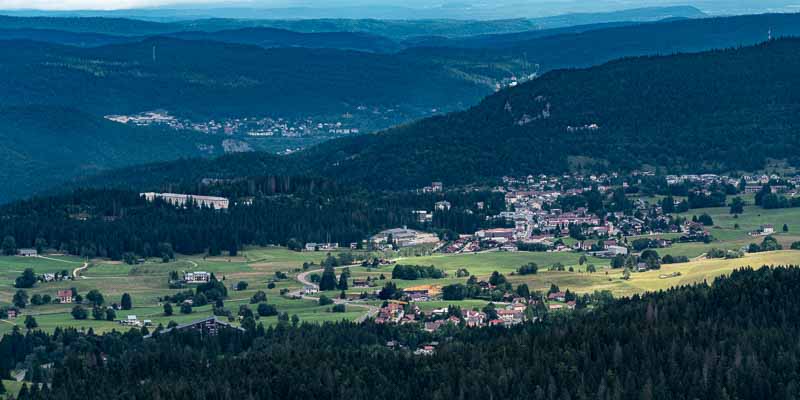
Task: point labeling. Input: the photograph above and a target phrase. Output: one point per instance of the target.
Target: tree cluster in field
(414, 272)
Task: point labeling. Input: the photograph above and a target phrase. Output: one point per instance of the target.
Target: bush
(339, 308)
(78, 312)
(26, 280)
(528, 269)
(267, 310)
(258, 297)
(325, 300)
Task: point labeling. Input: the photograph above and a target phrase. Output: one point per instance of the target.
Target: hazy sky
(87, 4)
(579, 5)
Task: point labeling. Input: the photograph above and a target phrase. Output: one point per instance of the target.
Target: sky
(542, 5)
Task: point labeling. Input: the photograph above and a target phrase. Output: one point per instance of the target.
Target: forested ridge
(284, 210)
(718, 111)
(205, 80)
(734, 339)
(43, 146)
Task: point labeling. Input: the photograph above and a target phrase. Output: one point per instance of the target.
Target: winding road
(303, 279)
(77, 271)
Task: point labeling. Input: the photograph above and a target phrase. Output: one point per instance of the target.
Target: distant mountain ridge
(132, 22)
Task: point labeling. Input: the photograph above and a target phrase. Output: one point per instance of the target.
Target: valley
(523, 200)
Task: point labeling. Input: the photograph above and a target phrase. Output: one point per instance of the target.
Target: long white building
(217, 203)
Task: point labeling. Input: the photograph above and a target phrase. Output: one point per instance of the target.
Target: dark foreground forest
(734, 339)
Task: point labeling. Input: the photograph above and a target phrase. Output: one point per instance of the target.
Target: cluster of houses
(323, 246)
(134, 321)
(402, 313)
(48, 277)
(258, 127)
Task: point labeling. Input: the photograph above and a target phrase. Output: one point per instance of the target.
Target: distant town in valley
(399, 200)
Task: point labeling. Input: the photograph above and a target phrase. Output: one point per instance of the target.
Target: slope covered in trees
(714, 111)
(43, 146)
(735, 339)
(109, 223)
(209, 79)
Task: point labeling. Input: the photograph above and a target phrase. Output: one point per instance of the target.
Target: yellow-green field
(12, 388)
(257, 266)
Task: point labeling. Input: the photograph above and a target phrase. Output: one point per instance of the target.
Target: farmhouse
(64, 296)
(197, 277)
(360, 283)
(28, 252)
(217, 203)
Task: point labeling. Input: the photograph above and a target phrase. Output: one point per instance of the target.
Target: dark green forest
(733, 339)
(284, 211)
(718, 111)
(205, 80)
(44, 146)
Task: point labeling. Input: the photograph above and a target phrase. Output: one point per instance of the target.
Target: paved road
(303, 279)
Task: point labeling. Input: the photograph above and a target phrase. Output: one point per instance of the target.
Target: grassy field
(12, 388)
(578, 281)
(147, 282)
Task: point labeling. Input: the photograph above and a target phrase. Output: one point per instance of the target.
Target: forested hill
(718, 110)
(735, 339)
(713, 111)
(42, 146)
(211, 79)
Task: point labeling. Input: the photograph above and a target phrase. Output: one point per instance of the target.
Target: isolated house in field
(64, 296)
(197, 277)
(28, 252)
(360, 283)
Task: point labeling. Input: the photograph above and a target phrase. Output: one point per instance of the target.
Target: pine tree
(328, 279)
(126, 303)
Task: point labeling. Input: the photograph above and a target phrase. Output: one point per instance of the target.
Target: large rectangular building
(217, 203)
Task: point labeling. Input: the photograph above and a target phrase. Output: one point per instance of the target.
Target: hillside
(273, 37)
(262, 37)
(42, 146)
(692, 112)
(211, 79)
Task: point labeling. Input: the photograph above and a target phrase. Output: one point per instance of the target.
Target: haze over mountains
(217, 70)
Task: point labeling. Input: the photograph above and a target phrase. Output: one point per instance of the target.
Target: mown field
(146, 283)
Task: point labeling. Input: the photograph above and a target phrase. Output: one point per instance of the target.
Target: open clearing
(146, 283)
